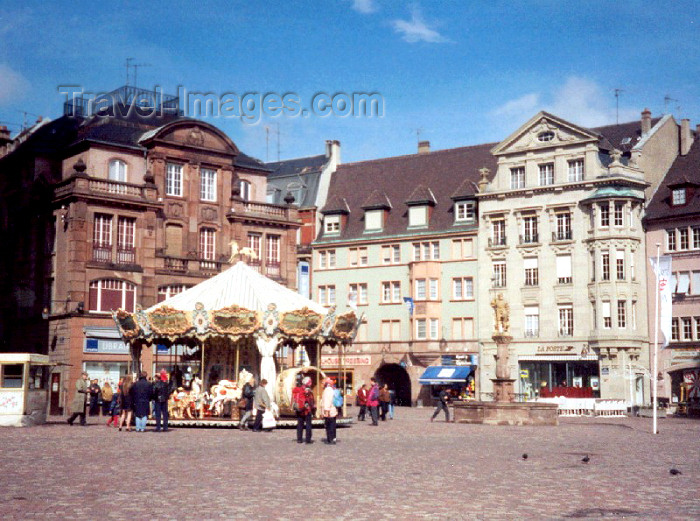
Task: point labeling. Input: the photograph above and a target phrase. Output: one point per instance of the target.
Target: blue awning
(445, 374)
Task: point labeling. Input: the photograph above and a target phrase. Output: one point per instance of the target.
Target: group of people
(377, 400)
(304, 404)
(131, 398)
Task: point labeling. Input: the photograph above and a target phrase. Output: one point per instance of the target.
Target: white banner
(663, 278)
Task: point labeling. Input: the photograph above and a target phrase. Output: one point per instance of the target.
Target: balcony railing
(101, 253)
(252, 209)
(98, 187)
(126, 256)
(273, 270)
(532, 333)
(566, 332)
(565, 235)
(176, 264)
(496, 241)
(531, 238)
(564, 280)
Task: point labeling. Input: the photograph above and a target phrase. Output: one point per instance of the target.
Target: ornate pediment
(543, 131)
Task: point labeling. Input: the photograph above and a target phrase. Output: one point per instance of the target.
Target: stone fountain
(504, 410)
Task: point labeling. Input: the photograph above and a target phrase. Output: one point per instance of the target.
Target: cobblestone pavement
(407, 468)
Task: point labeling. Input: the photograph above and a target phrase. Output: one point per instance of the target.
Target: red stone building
(105, 211)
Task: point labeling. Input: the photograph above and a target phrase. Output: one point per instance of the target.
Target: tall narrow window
(529, 230)
(434, 329)
(420, 329)
(696, 237)
(499, 233)
(244, 187)
(102, 238)
(576, 170)
(126, 227)
(605, 258)
(532, 275)
(671, 240)
(604, 215)
(619, 213)
(272, 250)
(564, 269)
(621, 314)
(546, 174)
(433, 288)
(620, 264)
(117, 170)
(683, 241)
(254, 243)
(207, 185)
(517, 178)
(173, 180)
(563, 232)
(532, 321)
(499, 274)
(206, 244)
(420, 289)
(607, 318)
(593, 270)
(566, 320)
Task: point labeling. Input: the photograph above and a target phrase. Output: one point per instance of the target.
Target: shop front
(106, 356)
(459, 379)
(342, 370)
(559, 370)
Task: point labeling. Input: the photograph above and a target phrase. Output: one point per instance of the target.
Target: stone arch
(398, 379)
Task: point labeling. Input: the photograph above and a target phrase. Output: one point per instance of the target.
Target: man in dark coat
(78, 404)
(443, 401)
(161, 392)
(141, 393)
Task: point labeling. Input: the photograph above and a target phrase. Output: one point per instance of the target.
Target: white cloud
(12, 84)
(364, 6)
(579, 100)
(417, 29)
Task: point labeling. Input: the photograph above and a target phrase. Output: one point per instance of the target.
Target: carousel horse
(179, 405)
(224, 391)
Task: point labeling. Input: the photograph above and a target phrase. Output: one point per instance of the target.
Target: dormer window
(374, 220)
(678, 197)
(244, 187)
(331, 224)
(417, 216)
(546, 136)
(117, 170)
(465, 211)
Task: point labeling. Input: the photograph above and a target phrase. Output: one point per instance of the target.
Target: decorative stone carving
(195, 137)
(209, 213)
(175, 209)
(501, 314)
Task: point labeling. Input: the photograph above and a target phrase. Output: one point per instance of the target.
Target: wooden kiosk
(23, 389)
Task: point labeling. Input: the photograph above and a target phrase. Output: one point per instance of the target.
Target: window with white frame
(529, 230)
(331, 224)
(674, 329)
(117, 170)
(695, 284)
(126, 231)
(619, 215)
(110, 294)
(498, 232)
(433, 289)
(207, 246)
(426, 251)
(564, 269)
(462, 288)
(532, 275)
(418, 215)
(245, 189)
(499, 274)
(696, 237)
(605, 263)
(678, 196)
(391, 254)
(434, 324)
(102, 230)
(255, 244)
(566, 320)
(465, 211)
(687, 329)
(633, 275)
(391, 292)
(607, 314)
(374, 220)
(272, 250)
(165, 292)
(359, 291)
(620, 264)
(173, 180)
(462, 328)
(621, 314)
(462, 248)
(563, 232)
(331, 258)
(671, 240)
(326, 295)
(546, 174)
(207, 184)
(576, 170)
(420, 289)
(421, 329)
(532, 321)
(517, 178)
(683, 239)
(604, 215)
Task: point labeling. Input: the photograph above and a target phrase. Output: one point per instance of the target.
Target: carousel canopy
(236, 303)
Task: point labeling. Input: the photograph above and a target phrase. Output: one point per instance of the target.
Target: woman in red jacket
(373, 402)
(362, 402)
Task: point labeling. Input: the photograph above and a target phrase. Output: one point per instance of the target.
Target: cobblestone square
(407, 468)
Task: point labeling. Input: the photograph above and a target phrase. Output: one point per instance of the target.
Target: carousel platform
(226, 423)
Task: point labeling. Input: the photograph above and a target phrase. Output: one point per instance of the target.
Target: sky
(453, 72)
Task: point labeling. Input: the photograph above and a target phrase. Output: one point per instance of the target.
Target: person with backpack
(330, 412)
(303, 404)
(373, 401)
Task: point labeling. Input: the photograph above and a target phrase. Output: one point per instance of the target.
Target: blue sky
(463, 72)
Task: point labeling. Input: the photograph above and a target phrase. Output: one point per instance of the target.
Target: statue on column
(501, 314)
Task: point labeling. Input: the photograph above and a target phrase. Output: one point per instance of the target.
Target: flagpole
(654, 388)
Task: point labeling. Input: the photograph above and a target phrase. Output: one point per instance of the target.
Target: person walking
(141, 393)
(125, 401)
(392, 401)
(95, 392)
(261, 403)
(161, 394)
(248, 396)
(107, 394)
(78, 403)
(373, 401)
(115, 408)
(362, 402)
(305, 406)
(384, 399)
(443, 401)
(330, 411)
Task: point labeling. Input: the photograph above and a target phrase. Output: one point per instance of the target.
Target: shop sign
(334, 360)
(447, 360)
(101, 345)
(524, 373)
(466, 360)
(559, 350)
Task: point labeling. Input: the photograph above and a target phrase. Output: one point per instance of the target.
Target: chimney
(686, 136)
(424, 147)
(646, 122)
(333, 150)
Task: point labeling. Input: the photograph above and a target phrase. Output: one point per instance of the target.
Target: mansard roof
(684, 172)
(441, 171)
(301, 171)
(421, 195)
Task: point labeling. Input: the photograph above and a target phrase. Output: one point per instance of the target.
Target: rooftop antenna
(668, 98)
(617, 105)
(136, 71)
(24, 118)
(418, 133)
(128, 66)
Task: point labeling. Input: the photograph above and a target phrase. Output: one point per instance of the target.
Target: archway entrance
(398, 380)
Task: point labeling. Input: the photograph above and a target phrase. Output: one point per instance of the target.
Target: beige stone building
(561, 238)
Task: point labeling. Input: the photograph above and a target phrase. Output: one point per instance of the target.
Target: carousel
(234, 325)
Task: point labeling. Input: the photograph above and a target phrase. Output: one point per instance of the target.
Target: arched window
(165, 292)
(244, 187)
(117, 170)
(111, 294)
